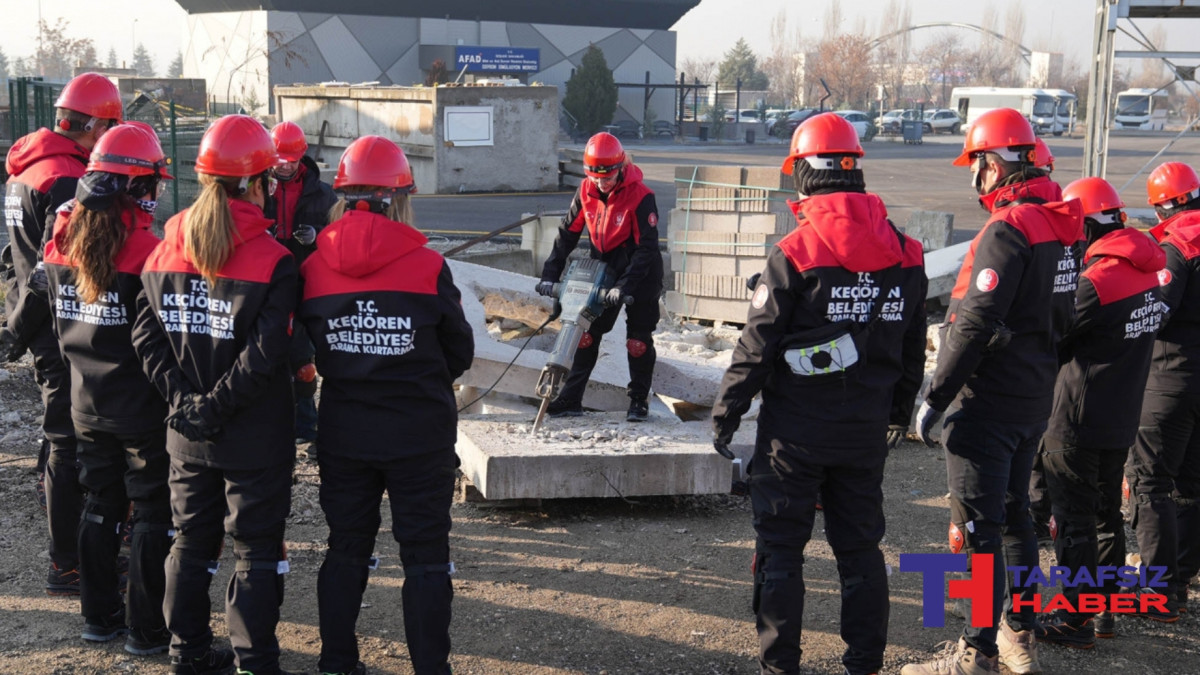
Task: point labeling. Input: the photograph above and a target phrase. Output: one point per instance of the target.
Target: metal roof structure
(651, 14)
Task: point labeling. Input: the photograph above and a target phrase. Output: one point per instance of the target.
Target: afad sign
(978, 588)
(498, 59)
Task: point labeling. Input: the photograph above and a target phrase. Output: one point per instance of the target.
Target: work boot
(1170, 615)
(955, 659)
(1018, 649)
(560, 408)
(639, 410)
(1062, 628)
(212, 662)
(106, 629)
(147, 641)
(1104, 625)
(62, 582)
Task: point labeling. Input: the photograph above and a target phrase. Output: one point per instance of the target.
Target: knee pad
(1069, 533)
(260, 550)
(347, 551)
(977, 533)
(778, 567)
(101, 513)
(586, 340)
(193, 558)
(636, 348)
(434, 553)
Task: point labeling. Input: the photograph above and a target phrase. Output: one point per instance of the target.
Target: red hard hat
(603, 155)
(1172, 182)
(236, 145)
(130, 150)
(1042, 157)
(997, 130)
(374, 161)
(91, 94)
(1096, 194)
(826, 133)
(289, 141)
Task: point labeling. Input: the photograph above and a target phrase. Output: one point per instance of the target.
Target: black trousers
(987, 469)
(117, 469)
(1040, 496)
(420, 490)
(64, 498)
(251, 505)
(1164, 484)
(1085, 488)
(786, 481)
(640, 320)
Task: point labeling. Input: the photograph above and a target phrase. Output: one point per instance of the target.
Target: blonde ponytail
(209, 229)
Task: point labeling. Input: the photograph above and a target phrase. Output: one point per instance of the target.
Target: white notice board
(469, 125)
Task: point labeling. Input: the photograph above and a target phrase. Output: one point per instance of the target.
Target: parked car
(891, 120)
(663, 128)
(624, 129)
(941, 119)
(785, 126)
(862, 123)
(774, 116)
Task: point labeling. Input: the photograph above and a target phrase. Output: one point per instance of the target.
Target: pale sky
(706, 31)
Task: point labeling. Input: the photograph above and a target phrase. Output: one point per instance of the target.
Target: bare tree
(58, 54)
(944, 60)
(783, 66)
(703, 69)
(1151, 72)
(844, 63)
(1014, 30)
(892, 56)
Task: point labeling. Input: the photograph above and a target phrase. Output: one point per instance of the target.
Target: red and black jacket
(109, 391)
(1011, 305)
(1106, 354)
(843, 253)
(303, 200)
(43, 170)
(391, 338)
(1176, 365)
(623, 228)
(228, 342)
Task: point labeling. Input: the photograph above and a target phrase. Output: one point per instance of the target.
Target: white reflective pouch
(833, 356)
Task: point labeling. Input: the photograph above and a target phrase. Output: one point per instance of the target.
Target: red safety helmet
(997, 131)
(1096, 194)
(236, 145)
(130, 150)
(603, 155)
(826, 133)
(1173, 182)
(374, 161)
(289, 141)
(92, 94)
(1042, 157)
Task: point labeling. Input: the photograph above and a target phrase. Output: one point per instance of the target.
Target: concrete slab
(942, 267)
(596, 455)
(932, 228)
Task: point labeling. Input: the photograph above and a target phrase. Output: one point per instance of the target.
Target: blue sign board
(497, 59)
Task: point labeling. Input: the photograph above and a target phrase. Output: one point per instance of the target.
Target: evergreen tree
(740, 63)
(111, 61)
(3, 65)
(591, 96)
(142, 63)
(176, 67)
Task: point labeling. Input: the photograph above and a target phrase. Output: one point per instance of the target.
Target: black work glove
(11, 349)
(38, 283)
(193, 420)
(895, 434)
(304, 235)
(545, 288)
(613, 297)
(723, 436)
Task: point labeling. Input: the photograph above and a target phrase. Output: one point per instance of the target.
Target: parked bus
(1140, 109)
(1050, 111)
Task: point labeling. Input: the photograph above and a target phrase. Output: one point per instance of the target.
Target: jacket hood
(1176, 222)
(248, 219)
(361, 242)
(1133, 246)
(1040, 188)
(40, 145)
(855, 228)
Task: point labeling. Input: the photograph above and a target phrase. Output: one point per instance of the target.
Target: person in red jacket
(1105, 355)
(1164, 464)
(994, 382)
(391, 338)
(300, 209)
(621, 217)
(212, 333)
(94, 263)
(847, 277)
(43, 169)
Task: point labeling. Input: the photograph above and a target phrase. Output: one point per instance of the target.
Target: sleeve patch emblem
(987, 280)
(1164, 277)
(760, 296)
